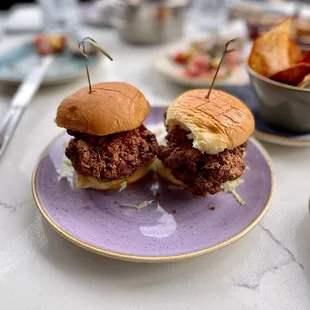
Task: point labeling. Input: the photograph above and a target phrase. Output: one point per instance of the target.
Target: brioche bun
(110, 108)
(215, 124)
(166, 174)
(90, 182)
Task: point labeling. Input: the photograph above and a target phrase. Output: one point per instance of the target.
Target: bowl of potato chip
(279, 72)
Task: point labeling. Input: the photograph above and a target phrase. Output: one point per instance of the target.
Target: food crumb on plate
(85, 207)
(213, 208)
(174, 211)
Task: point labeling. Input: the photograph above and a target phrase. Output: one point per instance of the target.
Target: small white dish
(163, 64)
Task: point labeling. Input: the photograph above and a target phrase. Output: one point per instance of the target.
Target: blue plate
(16, 63)
(263, 131)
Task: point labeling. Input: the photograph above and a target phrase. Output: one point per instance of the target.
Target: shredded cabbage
(66, 168)
(67, 162)
(140, 205)
(247, 168)
(123, 185)
(158, 129)
(160, 133)
(231, 187)
(154, 165)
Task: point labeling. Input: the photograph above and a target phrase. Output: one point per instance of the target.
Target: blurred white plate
(162, 63)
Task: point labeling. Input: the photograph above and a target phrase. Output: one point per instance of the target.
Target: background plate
(263, 131)
(165, 66)
(17, 62)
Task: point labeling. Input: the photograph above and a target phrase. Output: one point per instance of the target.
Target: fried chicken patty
(202, 173)
(111, 157)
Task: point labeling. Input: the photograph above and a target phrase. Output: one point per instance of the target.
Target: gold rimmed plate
(175, 226)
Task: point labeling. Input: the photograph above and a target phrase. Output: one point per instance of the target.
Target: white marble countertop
(267, 269)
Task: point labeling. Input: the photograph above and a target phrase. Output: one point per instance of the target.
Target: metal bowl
(282, 105)
(153, 22)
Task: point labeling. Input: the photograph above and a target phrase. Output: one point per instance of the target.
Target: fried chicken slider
(206, 141)
(110, 145)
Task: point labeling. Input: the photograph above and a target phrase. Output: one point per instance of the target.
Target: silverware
(21, 100)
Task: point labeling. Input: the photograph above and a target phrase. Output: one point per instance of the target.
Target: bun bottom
(91, 182)
(166, 174)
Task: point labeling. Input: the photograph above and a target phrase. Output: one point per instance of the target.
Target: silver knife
(21, 100)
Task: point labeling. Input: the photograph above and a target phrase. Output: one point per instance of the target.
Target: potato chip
(306, 57)
(274, 51)
(295, 74)
(295, 52)
(292, 76)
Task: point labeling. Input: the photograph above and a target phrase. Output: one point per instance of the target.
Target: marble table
(267, 269)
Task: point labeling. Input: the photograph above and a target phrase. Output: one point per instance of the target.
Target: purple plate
(175, 226)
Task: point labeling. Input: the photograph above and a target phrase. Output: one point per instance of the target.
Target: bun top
(110, 108)
(215, 124)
